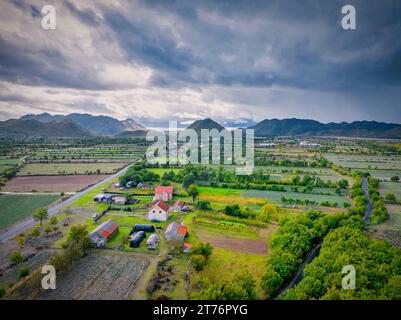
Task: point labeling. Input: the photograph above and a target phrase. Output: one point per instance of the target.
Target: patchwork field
(70, 168)
(99, 277)
(17, 207)
(359, 161)
(52, 183)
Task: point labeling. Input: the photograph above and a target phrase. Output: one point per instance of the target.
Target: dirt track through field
(52, 183)
(241, 245)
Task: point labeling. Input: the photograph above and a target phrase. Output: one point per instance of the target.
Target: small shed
(187, 247)
(153, 241)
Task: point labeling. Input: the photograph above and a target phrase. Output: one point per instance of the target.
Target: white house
(158, 211)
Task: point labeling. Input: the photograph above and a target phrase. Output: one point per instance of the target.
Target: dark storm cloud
(296, 45)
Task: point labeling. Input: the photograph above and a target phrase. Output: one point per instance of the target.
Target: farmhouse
(178, 206)
(103, 233)
(164, 193)
(153, 241)
(176, 232)
(103, 198)
(120, 200)
(158, 211)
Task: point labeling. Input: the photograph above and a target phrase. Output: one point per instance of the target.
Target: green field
(9, 162)
(18, 207)
(275, 196)
(359, 161)
(390, 187)
(161, 171)
(272, 196)
(385, 174)
(69, 168)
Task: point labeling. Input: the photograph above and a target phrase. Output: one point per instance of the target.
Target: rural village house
(158, 211)
(103, 233)
(164, 193)
(176, 232)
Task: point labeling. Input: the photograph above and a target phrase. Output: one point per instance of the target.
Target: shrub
(20, 240)
(48, 229)
(204, 249)
(198, 262)
(16, 257)
(203, 205)
(2, 291)
(53, 220)
(23, 272)
(35, 232)
(391, 197)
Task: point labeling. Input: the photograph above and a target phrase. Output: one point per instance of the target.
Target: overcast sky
(156, 61)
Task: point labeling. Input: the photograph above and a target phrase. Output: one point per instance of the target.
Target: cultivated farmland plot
(275, 196)
(99, 277)
(390, 187)
(365, 161)
(39, 259)
(15, 207)
(70, 168)
(52, 183)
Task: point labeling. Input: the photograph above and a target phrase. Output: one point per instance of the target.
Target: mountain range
(96, 125)
(77, 125)
(34, 128)
(304, 127)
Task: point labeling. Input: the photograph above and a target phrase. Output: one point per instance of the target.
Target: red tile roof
(162, 189)
(161, 204)
(187, 246)
(182, 230)
(108, 229)
(179, 203)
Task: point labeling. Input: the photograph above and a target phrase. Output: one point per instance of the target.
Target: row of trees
(379, 213)
(293, 241)
(258, 179)
(377, 265)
